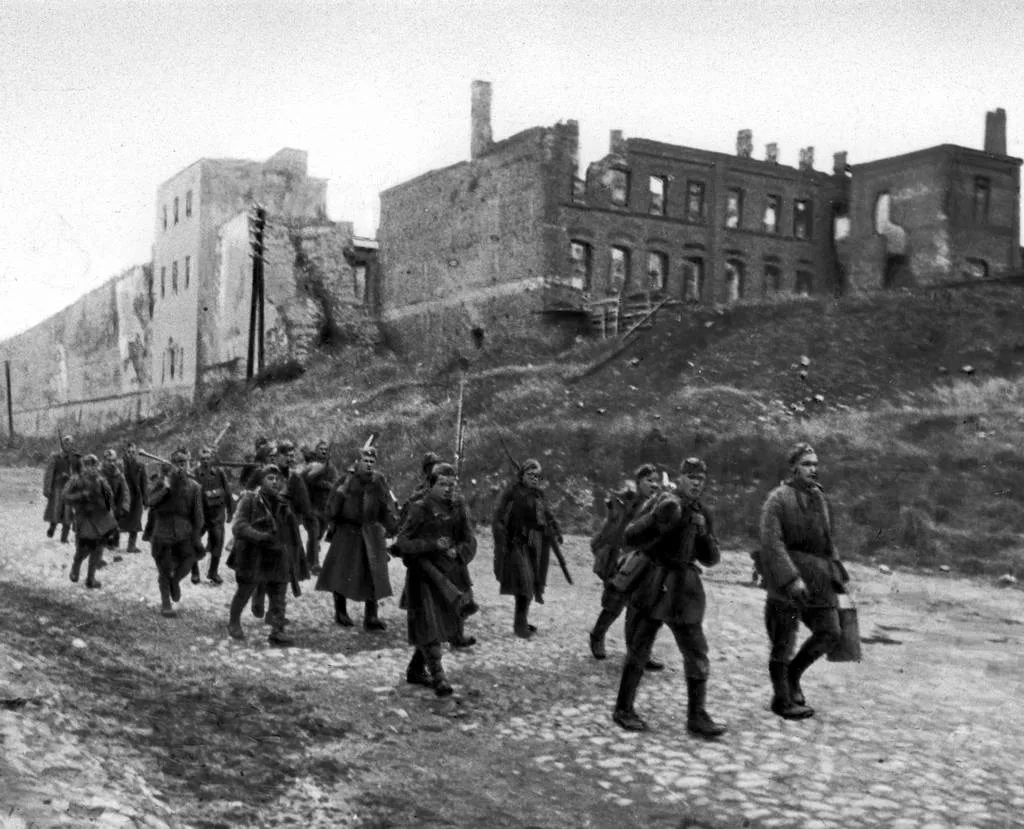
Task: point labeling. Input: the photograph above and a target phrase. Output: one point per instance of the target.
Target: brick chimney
(995, 132)
(744, 143)
(839, 164)
(771, 153)
(807, 158)
(480, 117)
(616, 143)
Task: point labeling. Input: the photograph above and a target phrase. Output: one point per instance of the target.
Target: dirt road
(112, 716)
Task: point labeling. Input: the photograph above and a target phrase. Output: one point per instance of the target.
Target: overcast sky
(102, 101)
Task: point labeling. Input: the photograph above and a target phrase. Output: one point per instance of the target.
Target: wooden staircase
(615, 315)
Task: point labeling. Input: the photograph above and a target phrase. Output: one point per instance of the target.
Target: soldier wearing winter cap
(803, 576)
(676, 532)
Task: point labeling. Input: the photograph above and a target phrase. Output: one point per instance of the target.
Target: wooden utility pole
(10, 402)
(254, 358)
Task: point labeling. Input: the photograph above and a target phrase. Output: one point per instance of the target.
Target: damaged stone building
(513, 244)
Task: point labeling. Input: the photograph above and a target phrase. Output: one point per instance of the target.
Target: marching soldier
(607, 549)
(89, 494)
(296, 496)
(176, 504)
(320, 476)
(436, 542)
(218, 508)
(356, 564)
(111, 471)
(138, 489)
(524, 529)
(263, 452)
(262, 529)
(803, 576)
(60, 467)
(676, 532)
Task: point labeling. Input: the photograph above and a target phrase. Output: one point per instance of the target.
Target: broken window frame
(802, 219)
(737, 267)
(982, 198)
(734, 208)
(618, 187)
(696, 195)
(625, 259)
(581, 268)
(974, 268)
(657, 189)
(660, 273)
(773, 206)
(693, 275)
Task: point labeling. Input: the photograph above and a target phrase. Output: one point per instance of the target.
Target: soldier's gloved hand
(444, 543)
(797, 590)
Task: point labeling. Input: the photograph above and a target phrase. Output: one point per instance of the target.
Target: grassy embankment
(921, 457)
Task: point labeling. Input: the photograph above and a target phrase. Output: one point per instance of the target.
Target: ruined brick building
(514, 235)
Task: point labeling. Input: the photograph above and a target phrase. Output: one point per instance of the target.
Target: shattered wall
(88, 365)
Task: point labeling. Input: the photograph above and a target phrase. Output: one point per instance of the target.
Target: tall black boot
(76, 567)
(166, 609)
(416, 672)
(259, 601)
(604, 621)
(438, 678)
(235, 616)
(624, 713)
(782, 701)
(460, 640)
(51, 530)
(810, 653)
(341, 616)
(94, 560)
(698, 721)
(65, 531)
(213, 573)
(371, 621)
(521, 624)
(196, 577)
(132, 547)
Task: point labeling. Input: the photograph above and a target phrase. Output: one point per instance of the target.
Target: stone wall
(86, 366)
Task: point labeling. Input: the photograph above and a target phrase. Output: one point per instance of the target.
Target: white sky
(102, 101)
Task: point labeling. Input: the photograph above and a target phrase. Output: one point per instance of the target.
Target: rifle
(458, 447)
(231, 464)
(220, 437)
(459, 423)
(515, 464)
(557, 550)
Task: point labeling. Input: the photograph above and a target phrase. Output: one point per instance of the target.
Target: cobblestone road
(926, 733)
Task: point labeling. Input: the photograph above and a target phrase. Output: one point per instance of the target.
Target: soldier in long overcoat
(89, 494)
(436, 542)
(675, 532)
(320, 477)
(60, 466)
(110, 468)
(218, 509)
(296, 494)
(356, 565)
(264, 530)
(524, 528)
(803, 576)
(607, 547)
(138, 490)
(176, 505)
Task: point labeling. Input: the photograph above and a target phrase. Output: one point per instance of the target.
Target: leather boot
(280, 638)
(520, 624)
(460, 640)
(438, 678)
(370, 619)
(341, 616)
(212, 574)
(90, 576)
(132, 546)
(416, 672)
(235, 617)
(76, 567)
(65, 531)
(805, 657)
(196, 578)
(604, 621)
(624, 714)
(698, 721)
(165, 599)
(51, 530)
(782, 702)
(259, 605)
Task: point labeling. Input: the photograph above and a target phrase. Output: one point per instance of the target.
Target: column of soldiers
(649, 554)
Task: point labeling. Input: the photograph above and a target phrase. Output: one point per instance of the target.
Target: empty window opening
(477, 333)
(802, 219)
(772, 279)
(734, 207)
(693, 279)
(658, 188)
(695, 201)
(163, 281)
(974, 269)
(734, 272)
(188, 204)
(770, 220)
(619, 186)
(188, 271)
(657, 268)
(174, 276)
(175, 209)
(883, 204)
(804, 283)
(981, 198)
(582, 256)
(840, 222)
(165, 217)
(579, 188)
(359, 283)
(618, 278)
